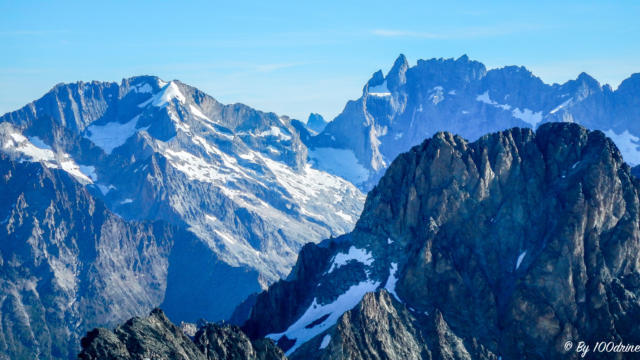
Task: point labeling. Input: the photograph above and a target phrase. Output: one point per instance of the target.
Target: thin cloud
(404, 33)
(278, 66)
(464, 33)
(32, 32)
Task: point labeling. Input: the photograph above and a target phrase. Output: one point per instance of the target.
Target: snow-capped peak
(167, 94)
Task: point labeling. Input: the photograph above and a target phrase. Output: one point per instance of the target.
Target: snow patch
(520, 258)
(354, 254)
(561, 106)
(45, 155)
(345, 302)
(111, 135)
(168, 93)
(104, 189)
(325, 341)
(392, 280)
(70, 166)
(436, 95)
(342, 162)
(21, 144)
(89, 171)
(142, 88)
(37, 142)
(345, 216)
(275, 131)
(528, 116)
(628, 145)
(195, 111)
(485, 98)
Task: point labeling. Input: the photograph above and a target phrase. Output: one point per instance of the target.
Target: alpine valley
(499, 221)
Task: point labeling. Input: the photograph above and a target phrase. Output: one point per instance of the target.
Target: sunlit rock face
(508, 247)
(238, 178)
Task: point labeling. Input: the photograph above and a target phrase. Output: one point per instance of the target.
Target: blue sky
(299, 57)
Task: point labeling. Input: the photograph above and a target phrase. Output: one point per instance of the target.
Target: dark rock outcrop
(68, 264)
(155, 337)
(508, 247)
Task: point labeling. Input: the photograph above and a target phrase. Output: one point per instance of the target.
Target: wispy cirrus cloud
(406, 34)
(461, 33)
(25, 32)
(277, 66)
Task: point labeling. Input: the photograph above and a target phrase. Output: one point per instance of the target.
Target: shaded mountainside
(503, 247)
(411, 103)
(155, 337)
(236, 177)
(68, 264)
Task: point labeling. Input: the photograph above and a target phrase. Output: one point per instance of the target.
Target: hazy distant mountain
(411, 103)
(235, 177)
(316, 123)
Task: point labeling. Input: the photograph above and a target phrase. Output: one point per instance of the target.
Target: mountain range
(509, 247)
(232, 180)
(412, 103)
(121, 197)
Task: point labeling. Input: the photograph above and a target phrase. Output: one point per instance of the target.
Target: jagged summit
(507, 246)
(460, 95)
(316, 123)
(236, 178)
(156, 337)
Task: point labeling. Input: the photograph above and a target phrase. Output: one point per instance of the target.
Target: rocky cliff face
(411, 103)
(155, 337)
(235, 177)
(68, 264)
(506, 247)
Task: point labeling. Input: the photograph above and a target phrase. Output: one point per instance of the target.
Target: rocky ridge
(412, 103)
(506, 247)
(235, 177)
(68, 264)
(155, 337)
